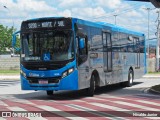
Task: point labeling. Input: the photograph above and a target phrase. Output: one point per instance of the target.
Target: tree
(5, 38)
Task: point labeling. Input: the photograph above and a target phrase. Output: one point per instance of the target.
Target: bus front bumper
(69, 82)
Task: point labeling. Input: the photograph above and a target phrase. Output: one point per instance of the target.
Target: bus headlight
(23, 73)
(70, 70)
(67, 72)
(64, 74)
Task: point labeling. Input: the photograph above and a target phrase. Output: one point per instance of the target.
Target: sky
(129, 14)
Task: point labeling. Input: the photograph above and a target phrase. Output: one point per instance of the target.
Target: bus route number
(32, 25)
(59, 23)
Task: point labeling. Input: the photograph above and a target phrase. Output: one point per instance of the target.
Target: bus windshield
(47, 46)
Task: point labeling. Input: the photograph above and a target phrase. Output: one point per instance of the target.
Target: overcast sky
(130, 15)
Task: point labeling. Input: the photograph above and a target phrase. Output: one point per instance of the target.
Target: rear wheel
(91, 89)
(49, 92)
(129, 83)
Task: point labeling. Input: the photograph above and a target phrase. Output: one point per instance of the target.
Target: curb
(154, 91)
(9, 77)
(150, 76)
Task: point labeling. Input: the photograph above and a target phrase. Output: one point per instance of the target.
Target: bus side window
(82, 52)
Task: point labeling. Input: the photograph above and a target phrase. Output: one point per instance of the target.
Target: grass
(153, 73)
(9, 72)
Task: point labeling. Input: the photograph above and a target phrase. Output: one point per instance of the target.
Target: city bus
(65, 53)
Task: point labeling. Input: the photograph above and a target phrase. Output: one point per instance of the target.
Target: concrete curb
(151, 76)
(14, 77)
(154, 91)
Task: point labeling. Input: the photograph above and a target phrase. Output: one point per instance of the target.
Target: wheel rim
(131, 78)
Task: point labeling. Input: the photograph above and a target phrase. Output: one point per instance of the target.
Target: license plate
(43, 81)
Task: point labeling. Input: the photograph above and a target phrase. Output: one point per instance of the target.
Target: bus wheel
(91, 89)
(129, 83)
(49, 92)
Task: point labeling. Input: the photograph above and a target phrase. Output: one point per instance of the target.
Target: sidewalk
(9, 77)
(151, 76)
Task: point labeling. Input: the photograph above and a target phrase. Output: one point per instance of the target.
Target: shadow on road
(115, 89)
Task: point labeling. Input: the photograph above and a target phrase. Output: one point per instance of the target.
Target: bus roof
(95, 24)
(111, 26)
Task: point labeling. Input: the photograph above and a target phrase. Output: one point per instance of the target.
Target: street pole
(115, 18)
(148, 10)
(12, 50)
(10, 13)
(158, 38)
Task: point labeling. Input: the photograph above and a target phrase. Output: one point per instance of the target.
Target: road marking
(109, 96)
(119, 109)
(135, 101)
(92, 111)
(61, 113)
(148, 102)
(109, 107)
(3, 103)
(137, 106)
(23, 101)
(5, 83)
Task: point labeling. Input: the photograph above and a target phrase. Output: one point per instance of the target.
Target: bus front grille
(49, 80)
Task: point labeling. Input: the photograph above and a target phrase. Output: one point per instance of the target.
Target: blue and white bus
(59, 53)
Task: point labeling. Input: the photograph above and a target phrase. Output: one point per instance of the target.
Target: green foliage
(5, 38)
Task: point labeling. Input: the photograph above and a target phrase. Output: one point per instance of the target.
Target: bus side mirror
(82, 43)
(14, 40)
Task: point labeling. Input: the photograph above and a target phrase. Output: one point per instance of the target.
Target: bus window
(107, 46)
(82, 52)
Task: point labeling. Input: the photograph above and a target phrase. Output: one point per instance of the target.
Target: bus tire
(91, 89)
(129, 83)
(49, 92)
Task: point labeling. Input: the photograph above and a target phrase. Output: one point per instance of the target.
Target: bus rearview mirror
(81, 43)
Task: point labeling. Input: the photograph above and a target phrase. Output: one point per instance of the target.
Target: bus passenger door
(82, 60)
(107, 56)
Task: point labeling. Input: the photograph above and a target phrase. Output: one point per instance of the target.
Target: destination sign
(46, 24)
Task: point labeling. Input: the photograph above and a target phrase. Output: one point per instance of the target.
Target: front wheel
(91, 89)
(49, 92)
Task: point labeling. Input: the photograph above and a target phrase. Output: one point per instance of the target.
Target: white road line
(120, 109)
(137, 106)
(61, 113)
(141, 101)
(94, 98)
(109, 96)
(98, 113)
(148, 102)
(109, 107)
(23, 101)
(78, 101)
(3, 103)
(14, 109)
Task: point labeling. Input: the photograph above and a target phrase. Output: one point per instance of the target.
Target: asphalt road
(110, 102)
